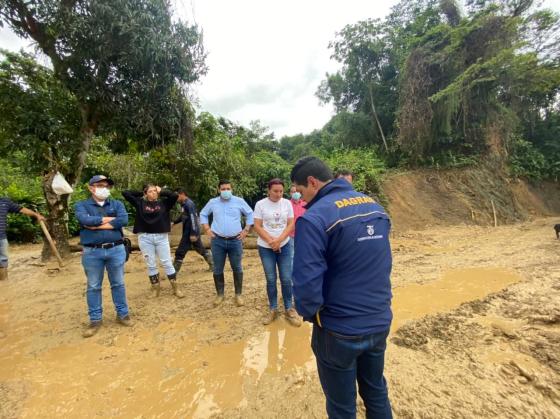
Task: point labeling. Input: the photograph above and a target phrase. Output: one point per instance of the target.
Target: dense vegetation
(434, 83)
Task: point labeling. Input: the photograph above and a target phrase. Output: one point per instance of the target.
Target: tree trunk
(87, 129)
(377, 120)
(57, 220)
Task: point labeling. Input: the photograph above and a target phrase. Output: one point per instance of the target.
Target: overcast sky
(267, 58)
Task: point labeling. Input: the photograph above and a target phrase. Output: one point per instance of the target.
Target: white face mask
(102, 193)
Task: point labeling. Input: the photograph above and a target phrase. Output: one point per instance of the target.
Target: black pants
(185, 245)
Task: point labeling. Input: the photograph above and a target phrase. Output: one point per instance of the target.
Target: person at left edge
(7, 206)
(227, 235)
(101, 221)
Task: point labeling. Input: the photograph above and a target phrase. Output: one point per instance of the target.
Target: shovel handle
(51, 243)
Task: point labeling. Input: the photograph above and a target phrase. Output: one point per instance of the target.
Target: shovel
(51, 242)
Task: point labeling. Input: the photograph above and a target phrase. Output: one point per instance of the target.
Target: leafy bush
(527, 161)
(366, 166)
(26, 192)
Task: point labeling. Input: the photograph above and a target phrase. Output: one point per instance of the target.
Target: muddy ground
(476, 334)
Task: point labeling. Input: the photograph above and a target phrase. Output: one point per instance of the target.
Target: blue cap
(99, 178)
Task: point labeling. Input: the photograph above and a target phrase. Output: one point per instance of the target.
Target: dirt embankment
(425, 198)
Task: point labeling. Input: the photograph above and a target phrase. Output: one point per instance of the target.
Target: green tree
(365, 84)
(467, 86)
(41, 122)
(125, 62)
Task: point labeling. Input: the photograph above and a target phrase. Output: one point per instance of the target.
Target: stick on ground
(51, 242)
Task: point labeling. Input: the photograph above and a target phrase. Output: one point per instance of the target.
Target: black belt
(226, 238)
(105, 245)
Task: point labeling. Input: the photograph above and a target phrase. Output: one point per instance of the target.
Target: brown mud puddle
(447, 293)
(168, 372)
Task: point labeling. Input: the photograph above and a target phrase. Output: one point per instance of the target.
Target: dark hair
(343, 172)
(179, 191)
(275, 181)
(223, 182)
(148, 186)
(310, 166)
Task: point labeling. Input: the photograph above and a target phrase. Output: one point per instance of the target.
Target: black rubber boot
(156, 287)
(208, 258)
(177, 263)
(219, 283)
(238, 282)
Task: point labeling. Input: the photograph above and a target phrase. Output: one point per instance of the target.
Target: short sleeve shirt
(6, 206)
(274, 216)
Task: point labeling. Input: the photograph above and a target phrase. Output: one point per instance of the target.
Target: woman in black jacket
(153, 224)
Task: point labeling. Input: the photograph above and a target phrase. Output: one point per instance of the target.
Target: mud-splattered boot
(156, 287)
(220, 285)
(173, 281)
(177, 263)
(270, 316)
(292, 317)
(91, 329)
(209, 260)
(3, 274)
(238, 284)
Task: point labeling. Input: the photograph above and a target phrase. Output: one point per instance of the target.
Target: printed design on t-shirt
(151, 208)
(275, 222)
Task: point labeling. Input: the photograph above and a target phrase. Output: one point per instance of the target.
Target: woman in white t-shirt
(274, 221)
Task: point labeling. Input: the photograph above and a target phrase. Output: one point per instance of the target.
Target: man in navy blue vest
(191, 232)
(342, 268)
(101, 222)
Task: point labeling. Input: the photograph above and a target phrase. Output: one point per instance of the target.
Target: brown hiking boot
(270, 317)
(91, 329)
(3, 274)
(293, 318)
(125, 321)
(219, 300)
(239, 300)
(176, 291)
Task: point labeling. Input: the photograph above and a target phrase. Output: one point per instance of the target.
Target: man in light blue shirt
(227, 235)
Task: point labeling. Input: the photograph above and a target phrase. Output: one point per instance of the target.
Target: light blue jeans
(95, 262)
(4, 253)
(155, 246)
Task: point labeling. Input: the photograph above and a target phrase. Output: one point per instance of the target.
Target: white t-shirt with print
(274, 216)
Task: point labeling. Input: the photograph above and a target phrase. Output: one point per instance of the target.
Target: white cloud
(267, 58)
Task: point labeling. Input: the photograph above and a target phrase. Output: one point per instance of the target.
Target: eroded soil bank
(476, 334)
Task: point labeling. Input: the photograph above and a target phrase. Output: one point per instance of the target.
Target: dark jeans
(341, 360)
(222, 248)
(185, 245)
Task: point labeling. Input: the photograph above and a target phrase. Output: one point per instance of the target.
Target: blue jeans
(341, 360)
(155, 246)
(222, 248)
(283, 259)
(3, 253)
(95, 261)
